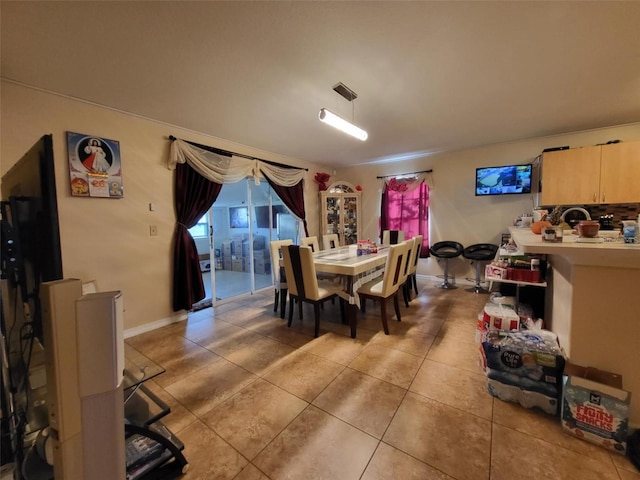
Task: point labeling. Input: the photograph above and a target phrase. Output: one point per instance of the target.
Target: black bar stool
(478, 253)
(446, 250)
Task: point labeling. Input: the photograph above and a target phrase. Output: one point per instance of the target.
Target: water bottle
(629, 231)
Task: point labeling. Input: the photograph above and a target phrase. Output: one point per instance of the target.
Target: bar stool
(480, 252)
(446, 250)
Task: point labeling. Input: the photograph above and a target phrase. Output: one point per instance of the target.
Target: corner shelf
(143, 411)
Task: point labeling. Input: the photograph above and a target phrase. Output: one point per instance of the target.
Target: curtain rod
(227, 153)
(402, 174)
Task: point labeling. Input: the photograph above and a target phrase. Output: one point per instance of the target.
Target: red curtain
(293, 198)
(193, 196)
(408, 212)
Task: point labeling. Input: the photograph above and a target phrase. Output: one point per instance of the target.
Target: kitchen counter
(607, 254)
(592, 304)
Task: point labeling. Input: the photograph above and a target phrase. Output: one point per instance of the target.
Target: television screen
(262, 215)
(503, 180)
(30, 234)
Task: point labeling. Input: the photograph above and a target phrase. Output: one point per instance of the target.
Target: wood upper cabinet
(599, 174)
(620, 173)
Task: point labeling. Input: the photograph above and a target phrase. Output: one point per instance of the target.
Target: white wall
(455, 212)
(108, 239)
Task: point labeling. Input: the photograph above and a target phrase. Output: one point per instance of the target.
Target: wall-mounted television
(503, 180)
(262, 215)
(239, 217)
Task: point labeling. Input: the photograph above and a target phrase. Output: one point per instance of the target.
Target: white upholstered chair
(330, 241)
(303, 283)
(387, 286)
(392, 237)
(311, 242)
(413, 268)
(278, 275)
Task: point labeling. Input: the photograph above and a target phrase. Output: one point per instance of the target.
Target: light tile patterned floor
(253, 399)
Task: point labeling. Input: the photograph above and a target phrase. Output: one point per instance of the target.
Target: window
(200, 228)
(406, 207)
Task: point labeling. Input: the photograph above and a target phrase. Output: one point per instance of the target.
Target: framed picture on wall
(94, 166)
(238, 217)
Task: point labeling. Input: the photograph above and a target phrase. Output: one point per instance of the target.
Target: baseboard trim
(147, 327)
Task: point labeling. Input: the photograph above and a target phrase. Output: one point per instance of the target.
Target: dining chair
(311, 242)
(303, 283)
(381, 289)
(330, 241)
(413, 268)
(278, 275)
(392, 237)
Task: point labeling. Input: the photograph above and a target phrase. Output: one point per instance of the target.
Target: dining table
(352, 270)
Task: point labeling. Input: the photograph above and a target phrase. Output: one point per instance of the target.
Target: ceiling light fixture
(340, 123)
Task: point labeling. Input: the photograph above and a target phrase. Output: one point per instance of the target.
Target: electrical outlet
(153, 230)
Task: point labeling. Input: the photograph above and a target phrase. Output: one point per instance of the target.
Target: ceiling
(430, 76)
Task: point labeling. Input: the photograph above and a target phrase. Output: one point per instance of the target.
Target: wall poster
(95, 167)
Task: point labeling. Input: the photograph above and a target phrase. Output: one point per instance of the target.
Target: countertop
(606, 254)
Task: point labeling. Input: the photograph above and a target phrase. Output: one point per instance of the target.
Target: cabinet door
(350, 219)
(620, 173)
(332, 214)
(571, 176)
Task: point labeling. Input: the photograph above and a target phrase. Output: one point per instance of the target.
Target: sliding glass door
(235, 236)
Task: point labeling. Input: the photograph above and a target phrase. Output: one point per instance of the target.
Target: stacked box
(524, 367)
(246, 249)
(226, 250)
(236, 265)
(236, 247)
(262, 266)
(226, 263)
(595, 407)
(246, 264)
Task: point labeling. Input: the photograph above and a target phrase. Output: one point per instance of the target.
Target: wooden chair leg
(291, 300)
(343, 318)
(396, 305)
(406, 294)
(415, 283)
(383, 314)
(316, 312)
(300, 302)
(275, 301)
(283, 301)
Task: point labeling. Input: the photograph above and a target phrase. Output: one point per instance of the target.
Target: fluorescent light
(341, 124)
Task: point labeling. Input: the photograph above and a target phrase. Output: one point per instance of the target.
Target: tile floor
(252, 399)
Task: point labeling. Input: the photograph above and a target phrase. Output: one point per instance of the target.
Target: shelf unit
(518, 283)
(340, 205)
(143, 412)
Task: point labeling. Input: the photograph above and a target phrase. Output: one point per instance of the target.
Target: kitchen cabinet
(340, 204)
(588, 175)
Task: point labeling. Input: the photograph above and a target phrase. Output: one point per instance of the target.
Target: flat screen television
(262, 215)
(31, 251)
(503, 180)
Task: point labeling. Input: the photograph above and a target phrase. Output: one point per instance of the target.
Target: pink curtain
(408, 211)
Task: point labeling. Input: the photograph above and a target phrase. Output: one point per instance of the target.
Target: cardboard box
(261, 266)
(227, 263)
(595, 407)
(237, 265)
(491, 271)
(226, 249)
